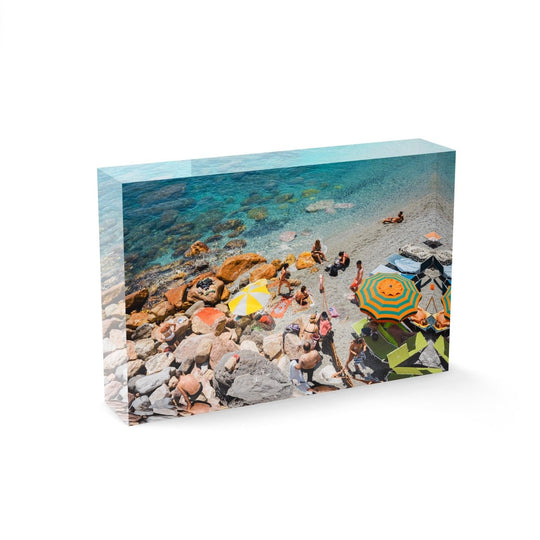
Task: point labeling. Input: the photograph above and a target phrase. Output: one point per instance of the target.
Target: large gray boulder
(148, 383)
(254, 380)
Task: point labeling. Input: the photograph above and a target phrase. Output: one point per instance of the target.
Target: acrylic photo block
(240, 280)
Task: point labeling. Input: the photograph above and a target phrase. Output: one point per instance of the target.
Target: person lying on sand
(420, 317)
(302, 296)
(441, 321)
(397, 219)
(284, 278)
(317, 253)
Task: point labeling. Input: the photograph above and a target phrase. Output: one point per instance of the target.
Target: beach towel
(333, 312)
(281, 308)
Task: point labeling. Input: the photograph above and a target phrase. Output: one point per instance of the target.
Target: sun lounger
(413, 371)
(404, 264)
(442, 348)
(379, 347)
(381, 269)
(420, 326)
(384, 330)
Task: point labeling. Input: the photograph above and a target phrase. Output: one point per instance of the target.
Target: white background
(88, 84)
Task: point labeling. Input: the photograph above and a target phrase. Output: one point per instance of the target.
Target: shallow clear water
(163, 218)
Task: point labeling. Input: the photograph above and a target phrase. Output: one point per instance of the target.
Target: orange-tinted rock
(305, 260)
(177, 295)
(263, 271)
(237, 265)
(290, 258)
(162, 310)
(207, 321)
(210, 296)
(197, 248)
(225, 295)
(137, 319)
(136, 300)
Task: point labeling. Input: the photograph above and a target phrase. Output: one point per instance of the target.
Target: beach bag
(292, 329)
(333, 270)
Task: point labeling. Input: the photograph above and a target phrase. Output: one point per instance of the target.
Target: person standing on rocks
(309, 361)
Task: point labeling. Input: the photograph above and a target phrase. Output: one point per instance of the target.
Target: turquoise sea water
(163, 218)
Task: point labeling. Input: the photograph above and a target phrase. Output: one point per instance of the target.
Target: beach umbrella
(388, 297)
(250, 299)
(446, 301)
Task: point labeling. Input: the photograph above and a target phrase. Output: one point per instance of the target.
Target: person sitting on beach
(441, 321)
(343, 260)
(371, 329)
(310, 333)
(359, 277)
(420, 317)
(397, 219)
(308, 361)
(302, 296)
(284, 278)
(317, 252)
(341, 263)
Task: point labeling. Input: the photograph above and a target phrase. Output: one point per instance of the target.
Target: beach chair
(422, 327)
(398, 356)
(380, 347)
(382, 269)
(404, 264)
(442, 348)
(384, 330)
(415, 371)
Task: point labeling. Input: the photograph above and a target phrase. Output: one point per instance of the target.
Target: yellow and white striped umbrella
(250, 299)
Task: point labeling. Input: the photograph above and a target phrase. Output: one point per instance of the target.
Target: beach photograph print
(237, 287)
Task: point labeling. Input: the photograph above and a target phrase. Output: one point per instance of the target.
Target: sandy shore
(371, 244)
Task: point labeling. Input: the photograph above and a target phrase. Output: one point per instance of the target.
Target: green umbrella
(446, 301)
(388, 297)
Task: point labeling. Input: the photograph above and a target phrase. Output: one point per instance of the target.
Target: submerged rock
(196, 249)
(287, 236)
(235, 244)
(325, 204)
(258, 213)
